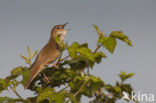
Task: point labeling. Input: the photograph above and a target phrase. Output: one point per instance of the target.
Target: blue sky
(29, 22)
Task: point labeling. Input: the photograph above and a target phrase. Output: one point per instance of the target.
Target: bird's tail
(35, 70)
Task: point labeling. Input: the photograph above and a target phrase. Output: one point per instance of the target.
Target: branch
(59, 58)
(78, 90)
(63, 89)
(64, 58)
(13, 89)
(86, 65)
(98, 47)
(81, 88)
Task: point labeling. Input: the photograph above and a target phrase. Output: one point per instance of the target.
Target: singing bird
(48, 54)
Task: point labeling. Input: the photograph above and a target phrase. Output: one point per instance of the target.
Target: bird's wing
(47, 55)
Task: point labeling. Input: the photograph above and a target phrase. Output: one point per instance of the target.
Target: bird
(48, 54)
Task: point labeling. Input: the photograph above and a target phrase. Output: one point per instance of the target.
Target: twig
(64, 58)
(63, 89)
(46, 78)
(15, 92)
(81, 88)
(86, 65)
(67, 101)
(99, 93)
(98, 47)
(88, 70)
(59, 58)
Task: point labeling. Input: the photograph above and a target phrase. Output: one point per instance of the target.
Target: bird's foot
(46, 78)
(54, 64)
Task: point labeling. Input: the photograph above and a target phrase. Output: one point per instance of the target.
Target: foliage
(28, 59)
(70, 79)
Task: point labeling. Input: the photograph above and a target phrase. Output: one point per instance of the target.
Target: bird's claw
(55, 65)
(46, 78)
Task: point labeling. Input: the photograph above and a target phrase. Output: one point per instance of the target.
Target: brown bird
(48, 54)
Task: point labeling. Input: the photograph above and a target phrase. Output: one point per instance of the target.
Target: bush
(70, 82)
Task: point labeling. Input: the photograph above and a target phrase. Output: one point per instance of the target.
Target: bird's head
(59, 31)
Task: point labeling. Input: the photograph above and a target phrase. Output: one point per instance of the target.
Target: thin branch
(98, 47)
(59, 58)
(67, 101)
(15, 92)
(102, 94)
(86, 65)
(80, 88)
(63, 89)
(64, 58)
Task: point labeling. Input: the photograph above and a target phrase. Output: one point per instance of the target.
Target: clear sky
(29, 22)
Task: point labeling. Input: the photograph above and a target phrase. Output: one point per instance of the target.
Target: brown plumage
(48, 54)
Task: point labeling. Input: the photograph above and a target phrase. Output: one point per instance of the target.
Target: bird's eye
(58, 27)
(59, 35)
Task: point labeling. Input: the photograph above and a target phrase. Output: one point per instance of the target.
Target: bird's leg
(46, 78)
(53, 64)
(56, 65)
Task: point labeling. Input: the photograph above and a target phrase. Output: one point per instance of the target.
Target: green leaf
(123, 73)
(22, 56)
(72, 49)
(102, 39)
(76, 83)
(82, 49)
(92, 84)
(86, 52)
(129, 75)
(86, 85)
(61, 43)
(13, 100)
(122, 76)
(49, 94)
(16, 71)
(71, 97)
(98, 56)
(100, 33)
(15, 84)
(25, 75)
(28, 59)
(120, 35)
(97, 29)
(29, 52)
(127, 88)
(125, 76)
(118, 89)
(45, 94)
(4, 83)
(84, 45)
(34, 53)
(110, 44)
(57, 40)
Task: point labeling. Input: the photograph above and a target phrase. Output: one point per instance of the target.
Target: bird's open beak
(64, 25)
(67, 28)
